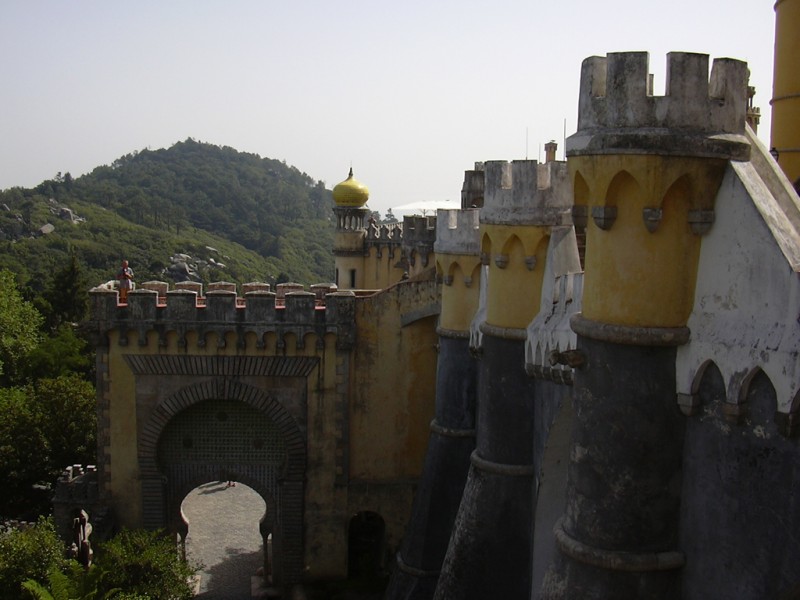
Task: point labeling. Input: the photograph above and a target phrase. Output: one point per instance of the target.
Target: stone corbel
(484, 259)
(652, 218)
(501, 260)
(530, 262)
(604, 216)
(701, 220)
(447, 280)
(467, 281)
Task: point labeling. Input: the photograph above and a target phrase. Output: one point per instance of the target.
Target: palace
(582, 384)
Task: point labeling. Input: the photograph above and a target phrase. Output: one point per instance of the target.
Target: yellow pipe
(785, 133)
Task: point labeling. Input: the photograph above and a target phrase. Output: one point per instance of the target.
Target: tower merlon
(697, 116)
(457, 231)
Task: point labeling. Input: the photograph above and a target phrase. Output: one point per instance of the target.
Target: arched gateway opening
(223, 431)
(224, 536)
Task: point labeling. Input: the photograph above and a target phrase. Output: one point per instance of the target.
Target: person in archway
(125, 277)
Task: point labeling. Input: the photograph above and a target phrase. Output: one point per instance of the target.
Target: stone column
(489, 555)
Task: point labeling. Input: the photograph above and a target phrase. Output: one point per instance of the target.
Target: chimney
(550, 151)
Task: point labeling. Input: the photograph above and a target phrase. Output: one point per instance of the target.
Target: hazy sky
(411, 93)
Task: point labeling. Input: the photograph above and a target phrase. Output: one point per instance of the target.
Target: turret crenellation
(526, 192)
(697, 116)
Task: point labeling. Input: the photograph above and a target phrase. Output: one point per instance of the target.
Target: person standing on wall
(125, 277)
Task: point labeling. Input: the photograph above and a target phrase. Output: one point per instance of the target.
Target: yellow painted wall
(460, 289)
(393, 390)
(785, 131)
(343, 266)
(420, 265)
(639, 278)
(124, 486)
(380, 271)
(515, 289)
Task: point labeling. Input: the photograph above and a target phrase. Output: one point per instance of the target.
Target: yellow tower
(785, 134)
(646, 170)
(349, 197)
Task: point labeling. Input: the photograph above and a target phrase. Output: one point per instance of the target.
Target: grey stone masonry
(457, 232)
(524, 192)
(698, 116)
(473, 187)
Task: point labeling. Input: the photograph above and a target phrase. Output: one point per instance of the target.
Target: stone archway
(224, 429)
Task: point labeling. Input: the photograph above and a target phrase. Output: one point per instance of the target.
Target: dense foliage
(47, 403)
(19, 325)
(259, 217)
(133, 565)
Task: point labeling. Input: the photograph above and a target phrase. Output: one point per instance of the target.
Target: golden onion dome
(350, 193)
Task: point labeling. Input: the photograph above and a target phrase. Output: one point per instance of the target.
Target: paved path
(223, 535)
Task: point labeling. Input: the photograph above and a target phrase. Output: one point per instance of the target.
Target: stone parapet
(223, 310)
(419, 235)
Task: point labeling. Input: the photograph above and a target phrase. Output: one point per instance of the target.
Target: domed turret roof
(350, 193)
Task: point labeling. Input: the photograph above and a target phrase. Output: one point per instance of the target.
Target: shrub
(28, 554)
(146, 563)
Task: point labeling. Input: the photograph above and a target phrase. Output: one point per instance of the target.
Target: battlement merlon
(223, 310)
(524, 192)
(697, 116)
(458, 231)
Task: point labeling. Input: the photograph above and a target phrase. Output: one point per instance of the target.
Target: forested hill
(243, 217)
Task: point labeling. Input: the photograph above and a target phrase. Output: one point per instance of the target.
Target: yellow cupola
(350, 193)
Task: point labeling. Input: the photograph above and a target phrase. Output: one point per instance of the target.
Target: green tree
(64, 409)
(29, 554)
(67, 293)
(19, 327)
(61, 354)
(23, 455)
